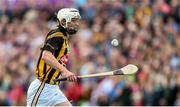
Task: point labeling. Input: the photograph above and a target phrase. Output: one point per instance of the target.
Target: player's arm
(48, 51)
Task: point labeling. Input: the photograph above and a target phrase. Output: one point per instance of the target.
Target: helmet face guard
(68, 14)
(71, 31)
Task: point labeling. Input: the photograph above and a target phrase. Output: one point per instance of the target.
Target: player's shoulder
(55, 33)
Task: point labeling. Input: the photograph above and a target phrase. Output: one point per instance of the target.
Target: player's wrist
(63, 69)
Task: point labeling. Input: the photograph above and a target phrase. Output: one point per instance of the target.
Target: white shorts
(43, 94)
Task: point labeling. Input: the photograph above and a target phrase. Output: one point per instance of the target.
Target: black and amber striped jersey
(57, 43)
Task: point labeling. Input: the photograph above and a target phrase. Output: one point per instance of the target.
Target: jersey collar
(62, 30)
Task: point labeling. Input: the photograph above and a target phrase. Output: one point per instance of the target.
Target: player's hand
(70, 76)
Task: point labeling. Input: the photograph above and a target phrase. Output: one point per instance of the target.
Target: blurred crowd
(148, 32)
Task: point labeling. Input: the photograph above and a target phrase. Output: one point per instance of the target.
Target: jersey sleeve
(53, 44)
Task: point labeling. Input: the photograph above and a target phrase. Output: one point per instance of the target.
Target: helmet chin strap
(64, 26)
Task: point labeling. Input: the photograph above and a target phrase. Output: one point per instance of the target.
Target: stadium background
(148, 32)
